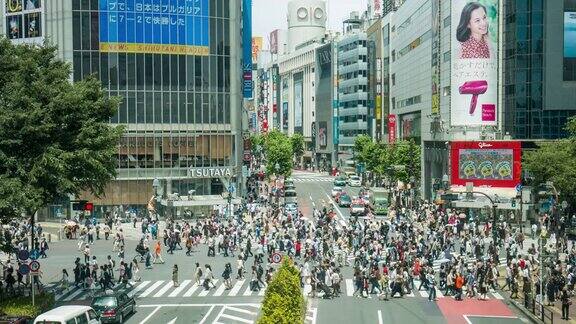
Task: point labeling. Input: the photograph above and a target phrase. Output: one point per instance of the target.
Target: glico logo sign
(484, 145)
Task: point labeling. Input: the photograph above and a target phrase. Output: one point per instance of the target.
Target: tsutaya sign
(216, 172)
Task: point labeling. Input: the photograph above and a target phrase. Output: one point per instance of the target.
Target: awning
(200, 201)
(493, 192)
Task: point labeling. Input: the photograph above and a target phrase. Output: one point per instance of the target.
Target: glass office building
(170, 62)
(539, 90)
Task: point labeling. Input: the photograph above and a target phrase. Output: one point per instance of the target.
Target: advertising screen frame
(515, 146)
(474, 72)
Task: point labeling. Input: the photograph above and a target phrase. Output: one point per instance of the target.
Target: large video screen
(570, 34)
(155, 26)
(495, 163)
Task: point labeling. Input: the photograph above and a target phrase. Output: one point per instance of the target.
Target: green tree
(408, 155)
(362, 144)
(297, 141)
(556, 161)
(279, 153)
(283, 301)
(55, 138)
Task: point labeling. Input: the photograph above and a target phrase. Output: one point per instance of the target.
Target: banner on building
(323, 134)
(391, 129)
(24, 21)
(298, 102)
(494, 163)
(569, 40)
(436, 32)
(274, 42)
(247, 85)
(474, 52)
(256, 48)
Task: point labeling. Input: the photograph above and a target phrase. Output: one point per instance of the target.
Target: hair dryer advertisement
(474, 63)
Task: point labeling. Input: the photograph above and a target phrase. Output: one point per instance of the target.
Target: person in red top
(472, 32)
(458, 284)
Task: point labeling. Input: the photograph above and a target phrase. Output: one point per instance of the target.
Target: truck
(380, 201)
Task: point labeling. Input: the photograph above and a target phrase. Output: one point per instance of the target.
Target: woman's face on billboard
(478, 23)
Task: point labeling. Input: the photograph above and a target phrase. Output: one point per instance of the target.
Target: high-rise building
(539, 68)
(352, 83)
(170, 62)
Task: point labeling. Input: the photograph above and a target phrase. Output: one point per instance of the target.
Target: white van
(69, 315)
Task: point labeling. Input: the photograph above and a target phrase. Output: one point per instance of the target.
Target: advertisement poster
(23, 21)
(436, 32)
(247, 84)
(570, 35)
(274, 42)
(256, 47)
(391, 129)
(496, 163)
(155, 26)
(474, 80)
(298, 103)
(285, 105)
(323, 134)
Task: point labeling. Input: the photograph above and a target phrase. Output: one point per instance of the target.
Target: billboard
(323, 134)
(436, 32)
(474, 76)
(570, 35)
(298, 102)
(247, 85)
(23, 21)
(496, 163)
(256, 47)
(274, 42)
(155, 26)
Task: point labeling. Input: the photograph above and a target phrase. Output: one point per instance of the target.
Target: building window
(446, 21)
(447, 56)
(393, 55)
(393, 79)
(446, 91)
(393, 103)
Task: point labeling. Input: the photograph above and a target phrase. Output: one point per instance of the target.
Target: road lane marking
(424, 294)
(151, 314)
(151, 289)
(205, 292)
(138, 288)
(336, 208)
(207, 314)
(164, 289)
(173, 321)
(497, 296)
(240, 310)
(191, 290)
(236, 288)
(235, 318)
(380, 321)
(180, 289)
(349, 287)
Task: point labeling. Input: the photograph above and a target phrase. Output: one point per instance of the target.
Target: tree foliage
(297, 141)
(55, 138)
(283, 302)
(278, 149)
(556, 161)
(380, 158)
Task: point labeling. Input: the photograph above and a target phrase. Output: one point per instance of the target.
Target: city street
(159, 302)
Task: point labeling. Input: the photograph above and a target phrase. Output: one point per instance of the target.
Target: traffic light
(513, 203)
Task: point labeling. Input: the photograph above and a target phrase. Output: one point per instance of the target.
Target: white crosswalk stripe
(240, 288)
(314, 179)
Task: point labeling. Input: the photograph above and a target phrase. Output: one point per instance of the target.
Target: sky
(268, 15)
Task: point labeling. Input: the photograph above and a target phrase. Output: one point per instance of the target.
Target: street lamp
(277, 167)
(445, 181)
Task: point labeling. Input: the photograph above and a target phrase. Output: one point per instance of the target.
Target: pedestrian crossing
(240, 288)
(166, 289)
(350, 291)
(314, 179)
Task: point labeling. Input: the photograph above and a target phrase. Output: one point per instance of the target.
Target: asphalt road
(159, 302)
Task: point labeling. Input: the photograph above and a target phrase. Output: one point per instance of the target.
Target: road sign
(519, 187)
(24, 269)
(276, 258)
(23, 255)
(34, 254)
(34, 266)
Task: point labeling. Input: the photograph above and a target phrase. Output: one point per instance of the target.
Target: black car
(113, 308)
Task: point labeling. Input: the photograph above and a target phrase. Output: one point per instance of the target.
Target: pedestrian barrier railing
(538, 309)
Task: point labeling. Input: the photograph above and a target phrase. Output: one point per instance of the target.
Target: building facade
(170, 63)
(540, 74)
(353, 114)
